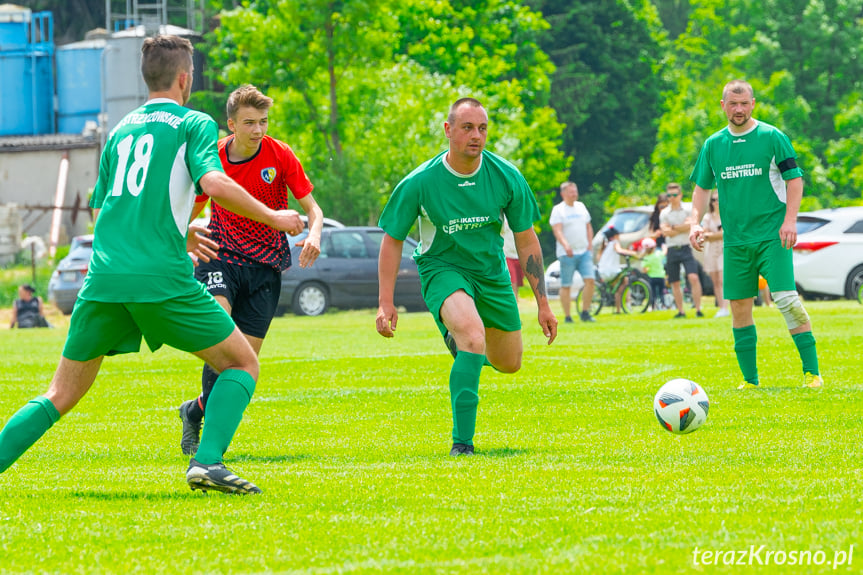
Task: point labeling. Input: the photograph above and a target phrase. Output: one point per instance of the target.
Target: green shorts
(743, 264)
(493, 297)
(190, 323)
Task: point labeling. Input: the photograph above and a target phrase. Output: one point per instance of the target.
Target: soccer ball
(681, 406)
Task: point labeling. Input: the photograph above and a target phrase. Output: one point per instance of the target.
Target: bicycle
(636, 296)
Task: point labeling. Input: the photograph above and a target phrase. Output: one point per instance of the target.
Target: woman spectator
(713, 248)
(655, 231)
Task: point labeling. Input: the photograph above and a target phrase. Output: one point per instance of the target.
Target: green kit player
(140, 281)
(460, 198)
(754, 169)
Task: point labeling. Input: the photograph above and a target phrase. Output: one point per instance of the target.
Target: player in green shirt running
(754, 169)
(140, 282)
(460, 198)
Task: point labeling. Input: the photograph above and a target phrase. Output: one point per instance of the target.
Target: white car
(828, 255)
(552, 281)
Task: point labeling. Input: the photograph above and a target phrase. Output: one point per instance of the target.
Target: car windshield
(377, 236)
(627, 222)
(81, 252)
(808, 224)
(81, 242)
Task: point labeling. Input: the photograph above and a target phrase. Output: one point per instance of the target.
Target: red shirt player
(245, 278)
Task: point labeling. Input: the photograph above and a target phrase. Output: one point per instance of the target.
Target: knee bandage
(791, 307)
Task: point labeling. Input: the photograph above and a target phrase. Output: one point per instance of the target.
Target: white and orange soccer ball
(681, 406)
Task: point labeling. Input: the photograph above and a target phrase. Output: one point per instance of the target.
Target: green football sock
(745, 343)
(25, 428)
(805, 343)
(223, 414)
(464, 395)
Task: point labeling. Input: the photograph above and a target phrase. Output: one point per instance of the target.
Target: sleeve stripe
(788, 164)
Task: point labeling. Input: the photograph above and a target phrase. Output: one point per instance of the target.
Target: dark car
(345, 275)
(68, 278)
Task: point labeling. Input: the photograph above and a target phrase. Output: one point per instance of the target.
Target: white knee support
(791, 307)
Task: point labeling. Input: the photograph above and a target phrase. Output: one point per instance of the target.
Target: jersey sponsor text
(744, 171)
(461, 224)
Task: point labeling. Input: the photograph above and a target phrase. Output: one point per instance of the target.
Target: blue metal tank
(26, 67)
(79, 85)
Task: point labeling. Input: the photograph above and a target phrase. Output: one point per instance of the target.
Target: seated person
(27, 310)
(609, 267)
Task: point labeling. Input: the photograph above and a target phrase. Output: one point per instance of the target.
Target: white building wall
(29, 179)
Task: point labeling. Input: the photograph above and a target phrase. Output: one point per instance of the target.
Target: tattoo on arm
(533, 270)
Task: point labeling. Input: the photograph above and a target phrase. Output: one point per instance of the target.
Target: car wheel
(311, 299)
(853, 283)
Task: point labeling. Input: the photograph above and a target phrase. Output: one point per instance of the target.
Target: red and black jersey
(267, 176)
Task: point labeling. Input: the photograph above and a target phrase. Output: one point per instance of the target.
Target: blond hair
(247, 95)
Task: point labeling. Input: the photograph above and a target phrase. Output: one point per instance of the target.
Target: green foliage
(607, 86)
(637, 190)
(803, 60)
(14, 276)
(348, 436)
(362, 105)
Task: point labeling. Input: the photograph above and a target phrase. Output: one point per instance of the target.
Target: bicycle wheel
(636, 296)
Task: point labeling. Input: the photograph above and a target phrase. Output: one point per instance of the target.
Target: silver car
(68, 277)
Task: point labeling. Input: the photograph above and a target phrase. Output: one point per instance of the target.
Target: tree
(72, 18)
(803, 61)
(607, 88)
(363, 107)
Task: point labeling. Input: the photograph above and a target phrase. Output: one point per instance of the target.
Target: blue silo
(79, 84)
(26, 67)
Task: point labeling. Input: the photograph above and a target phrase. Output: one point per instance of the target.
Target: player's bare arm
(389, 260)
(234, 198)
(200, 244)
(312, 243)
(700, 197)
(530, 258)
(793, 197)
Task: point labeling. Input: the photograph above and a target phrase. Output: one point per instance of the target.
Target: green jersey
(749, 172)
(653, 265)
(460, 216)
(146, 192)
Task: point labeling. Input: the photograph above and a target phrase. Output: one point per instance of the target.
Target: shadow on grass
(296, 458)
(136, 496)
(502, 452)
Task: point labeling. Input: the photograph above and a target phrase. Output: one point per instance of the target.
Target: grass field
(348, 436)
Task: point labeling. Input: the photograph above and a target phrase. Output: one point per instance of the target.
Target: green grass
(348, 435)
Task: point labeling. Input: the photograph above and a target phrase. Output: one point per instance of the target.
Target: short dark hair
(247, 95)
(738, 87)
(610, 233)
(473, 102)
(29, 288)
(163, 58)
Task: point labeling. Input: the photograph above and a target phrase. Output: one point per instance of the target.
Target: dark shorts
(677, 256)
(252, 291)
